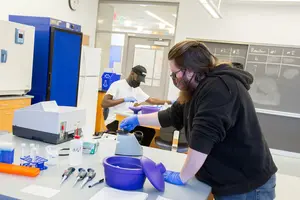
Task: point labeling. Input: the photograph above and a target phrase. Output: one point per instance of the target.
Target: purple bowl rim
(123, 170)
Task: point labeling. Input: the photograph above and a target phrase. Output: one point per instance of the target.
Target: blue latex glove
(129, 99)
(130, 123)
(173, 178)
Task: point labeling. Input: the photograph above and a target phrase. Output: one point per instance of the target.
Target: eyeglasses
(173, 74)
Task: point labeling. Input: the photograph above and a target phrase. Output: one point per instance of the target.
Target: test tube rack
(38, 163)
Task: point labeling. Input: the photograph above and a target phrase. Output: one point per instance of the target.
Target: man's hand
(173, 178)
(129, 99)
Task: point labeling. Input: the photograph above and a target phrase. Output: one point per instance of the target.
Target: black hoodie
(220, 120)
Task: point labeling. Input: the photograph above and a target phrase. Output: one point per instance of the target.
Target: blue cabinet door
(64, 66)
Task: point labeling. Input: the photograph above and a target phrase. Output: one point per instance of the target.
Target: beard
(184, 96)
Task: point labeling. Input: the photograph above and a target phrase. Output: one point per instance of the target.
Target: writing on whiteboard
(253, 50)
(290, 53)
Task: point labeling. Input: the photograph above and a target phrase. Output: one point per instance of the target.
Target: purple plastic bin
(135, 110)
(124, 173)
(150, 109)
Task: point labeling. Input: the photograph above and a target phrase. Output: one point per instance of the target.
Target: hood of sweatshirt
(243, 76)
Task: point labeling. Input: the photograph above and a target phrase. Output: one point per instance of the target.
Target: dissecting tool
(100, 181)
(90, 176)
(66, 174)
(81, 175)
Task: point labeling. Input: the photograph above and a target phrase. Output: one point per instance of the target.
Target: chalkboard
(226, 52)
(276, 71)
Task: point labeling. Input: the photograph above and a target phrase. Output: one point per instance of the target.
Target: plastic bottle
(34, 154)
(76, 147)
(37, 146)
(32, 146)
(23, 152)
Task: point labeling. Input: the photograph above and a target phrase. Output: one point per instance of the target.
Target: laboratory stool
(167, 139)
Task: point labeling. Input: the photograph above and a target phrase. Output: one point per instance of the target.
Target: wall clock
(73, 4)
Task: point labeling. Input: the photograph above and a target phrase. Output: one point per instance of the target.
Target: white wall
(245, 23)
(85, 15)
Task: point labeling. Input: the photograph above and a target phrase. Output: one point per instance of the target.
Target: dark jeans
(148, 132)
(265, 192)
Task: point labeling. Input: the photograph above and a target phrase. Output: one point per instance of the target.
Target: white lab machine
(128, 145)
(16, 58)
(48, 122)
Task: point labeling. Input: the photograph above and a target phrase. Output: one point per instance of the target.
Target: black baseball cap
(141, 72)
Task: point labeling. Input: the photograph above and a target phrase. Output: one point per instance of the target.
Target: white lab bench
(11, 185)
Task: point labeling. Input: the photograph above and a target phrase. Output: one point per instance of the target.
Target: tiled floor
(288, 178)
(287, 165)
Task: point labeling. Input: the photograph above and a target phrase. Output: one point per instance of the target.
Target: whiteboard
(276, 72)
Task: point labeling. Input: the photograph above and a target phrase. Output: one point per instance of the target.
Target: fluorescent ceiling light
(174, 15)
(159, 19)
(211, 8)
(140, 46)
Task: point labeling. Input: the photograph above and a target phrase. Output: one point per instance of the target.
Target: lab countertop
(15, 97)
(12, 185)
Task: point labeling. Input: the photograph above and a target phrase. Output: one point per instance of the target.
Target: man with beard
(122, 94)
(227, 149)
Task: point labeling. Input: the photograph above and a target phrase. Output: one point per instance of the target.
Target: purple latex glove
(173, 178)
(130, 123)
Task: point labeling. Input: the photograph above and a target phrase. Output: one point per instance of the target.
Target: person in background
(124, 93)
(238, 65)
(227, 149)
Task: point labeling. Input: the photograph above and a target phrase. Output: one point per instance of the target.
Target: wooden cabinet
(100, 126)
(7, 109)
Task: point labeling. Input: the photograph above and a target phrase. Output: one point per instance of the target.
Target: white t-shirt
(121, 89)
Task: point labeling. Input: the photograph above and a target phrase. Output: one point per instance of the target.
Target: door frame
(144, 36)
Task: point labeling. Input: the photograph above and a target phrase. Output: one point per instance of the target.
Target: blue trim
(2, 197)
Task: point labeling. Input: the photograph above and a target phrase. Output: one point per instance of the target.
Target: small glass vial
(23, 153)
